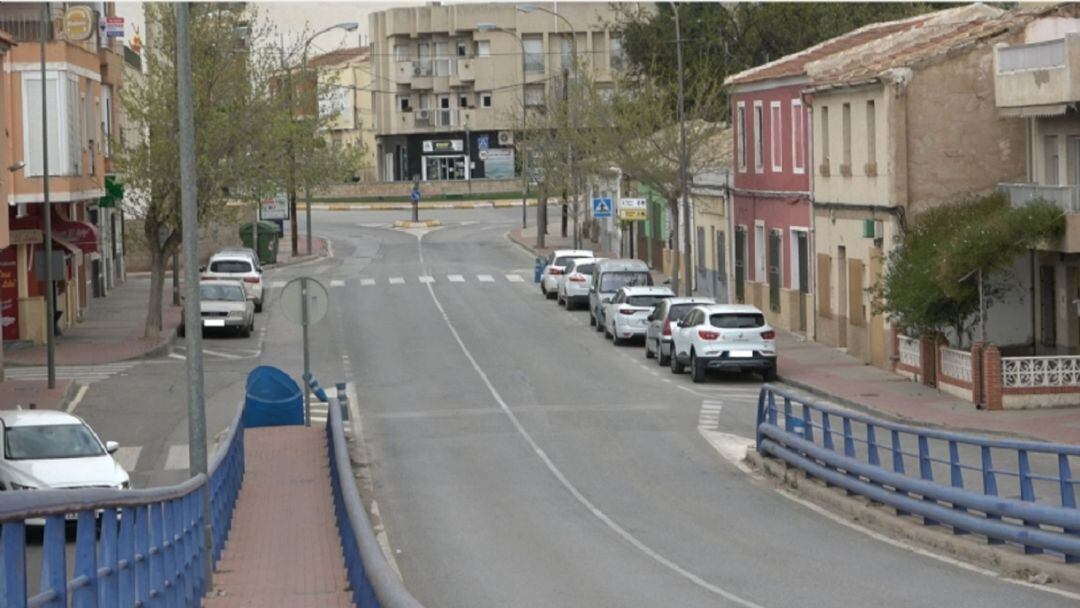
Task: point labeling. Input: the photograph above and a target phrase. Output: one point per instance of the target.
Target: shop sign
(443, 145)
(633, 210)
(9, 294)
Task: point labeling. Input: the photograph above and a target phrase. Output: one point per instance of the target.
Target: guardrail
(849, 450)
(149, 550)
(372, 580)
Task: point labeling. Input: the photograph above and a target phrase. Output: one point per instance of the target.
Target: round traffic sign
(292, 300)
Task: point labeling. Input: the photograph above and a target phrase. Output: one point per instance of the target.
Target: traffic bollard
(538, 270)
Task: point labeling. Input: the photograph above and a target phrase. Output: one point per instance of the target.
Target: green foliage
(930, 283)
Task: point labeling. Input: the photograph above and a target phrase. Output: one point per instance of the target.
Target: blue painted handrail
(149, 550)
(846, 448)
(373, 582)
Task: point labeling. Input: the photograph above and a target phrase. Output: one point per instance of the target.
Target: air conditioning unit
(417, 70)
(506, 138)
(423, 115)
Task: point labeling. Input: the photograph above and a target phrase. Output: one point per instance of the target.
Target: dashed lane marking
(485, 278)
(427, 279)
(515, 278)
(337, 283)
(455, 278)
(367, 282)
(397, 281)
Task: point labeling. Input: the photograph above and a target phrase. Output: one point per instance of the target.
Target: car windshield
(649, 300)
(230, 266)
(584, 269)
(679, 311)
(562, 261)
(740, 320)
(50, 441)
(222, 293)
(612, 281)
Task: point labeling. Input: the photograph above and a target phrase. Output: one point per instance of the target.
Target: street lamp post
(50, 288)
(688, 278)
(491, 27)
(348, 26)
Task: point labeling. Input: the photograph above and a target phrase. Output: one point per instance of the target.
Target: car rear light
(768, 335)
(626, 311)
(251, 279)
(577, 278)
(667, 328)
(708, 335)
(554, 271)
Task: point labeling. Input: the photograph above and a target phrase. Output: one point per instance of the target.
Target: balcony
(1066, 197)
(435, 119)
(1037, 79)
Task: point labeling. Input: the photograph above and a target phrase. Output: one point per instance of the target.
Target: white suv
(237, 266)
(626, 315)
(724, 336)
(555, 266)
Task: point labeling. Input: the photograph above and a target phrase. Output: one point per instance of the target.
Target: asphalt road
(519, 459)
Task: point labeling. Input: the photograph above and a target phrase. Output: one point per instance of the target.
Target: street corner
(407, 224)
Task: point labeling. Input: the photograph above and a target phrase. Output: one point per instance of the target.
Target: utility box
(268, 240)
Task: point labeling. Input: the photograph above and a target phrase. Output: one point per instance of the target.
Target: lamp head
(526, 8)
(15, 167)
(486, 27)
(349, 26)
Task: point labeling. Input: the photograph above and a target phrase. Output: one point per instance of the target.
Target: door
(841, 296)
(721, 292)
(1047, 310)
(740, 265)
(774, 271)
(702, 280)
(802, 270)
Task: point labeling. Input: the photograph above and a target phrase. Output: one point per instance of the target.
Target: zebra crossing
(82, 374)
(709, 416)
(424, 279)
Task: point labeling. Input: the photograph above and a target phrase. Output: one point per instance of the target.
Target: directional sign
(633, 209)
(483, 142)
(601, 207)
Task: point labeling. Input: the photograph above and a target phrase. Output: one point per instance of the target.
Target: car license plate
(741, 354)
(71, 516)
(213, 322)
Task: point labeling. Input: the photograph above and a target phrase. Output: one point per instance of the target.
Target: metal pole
(307, 370)
(307, 185)
(524, 153)
(255, 233)
(176, 277)
(50, 288)
(189, 215)
(688, 277)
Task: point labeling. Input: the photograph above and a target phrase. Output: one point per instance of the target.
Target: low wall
(211, 239)
(382, 190)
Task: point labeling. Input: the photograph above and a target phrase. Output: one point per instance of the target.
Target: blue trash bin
(272, 399)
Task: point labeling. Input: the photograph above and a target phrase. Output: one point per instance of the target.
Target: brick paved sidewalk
(284, 257)
(283, 549)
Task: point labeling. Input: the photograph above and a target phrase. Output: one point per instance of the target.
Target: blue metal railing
(148, 551)
(850, 450)
(373, 582)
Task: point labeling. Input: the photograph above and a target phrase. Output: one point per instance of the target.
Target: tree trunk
(565, 216)
(541, 221)
(157, 287)
(673, 205)
(292, 221)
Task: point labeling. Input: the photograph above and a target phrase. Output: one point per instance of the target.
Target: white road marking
(178, 356)
(177, 460)
(216, 353)
(336, 283)
(78, 397)
(709, 416)
(83, 374)
(515, 278)
(127, 457)
(322, 270)
(367, 282)
(397, 281)
(277, 284)
(570, 487)
(427, 279)
(455, 278)
(485, 278)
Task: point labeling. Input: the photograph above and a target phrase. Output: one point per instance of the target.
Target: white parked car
(48, 449)
(555, 266)
(662, 322)
(223, 305)
(575, 282)
(727, 337)
(626, 315)
(237, 266)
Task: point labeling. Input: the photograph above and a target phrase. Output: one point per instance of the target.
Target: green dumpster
(268, 240)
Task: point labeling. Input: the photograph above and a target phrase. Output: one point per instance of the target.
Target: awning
(1054, 109)
(81, 236)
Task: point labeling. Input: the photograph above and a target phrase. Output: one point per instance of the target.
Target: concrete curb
(69, 394)
(1008, 562)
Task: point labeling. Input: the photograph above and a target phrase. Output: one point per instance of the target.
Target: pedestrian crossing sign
(601, 207)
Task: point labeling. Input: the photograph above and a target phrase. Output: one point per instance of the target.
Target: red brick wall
(992, 387)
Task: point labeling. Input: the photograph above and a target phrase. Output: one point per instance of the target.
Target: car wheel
(607, 334)
(550, 295)
(599, 324)
(543, 289)
(649, 354)
(676, 366)
(661, 358)
(769, 375)
(697, 369)
(258, 305)
(245, 331)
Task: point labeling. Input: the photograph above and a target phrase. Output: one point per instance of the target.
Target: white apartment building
(448, 86)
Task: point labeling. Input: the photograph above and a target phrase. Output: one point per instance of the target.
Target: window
(231, 266)
(1050, 159)
(798, 142)
(759, 252)
(106, 119)
(56, 84)
(846, 135)
(776, 141)
(759, 139)
(462, 48)
(871, 133)
(534, 95)
(463, 101)
(401, 52)
(825, 160)
(485, 100)
(483, 48)
(616, 54)
(74, 133)
(44, 442)
(403, 103)
(740, 136)
(534, 54)
(566, 52)
(742, 320)
(645, 300)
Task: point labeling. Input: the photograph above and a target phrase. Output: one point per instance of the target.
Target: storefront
(444, 159)
(447, 156)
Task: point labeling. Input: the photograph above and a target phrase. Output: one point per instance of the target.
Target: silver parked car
(224, 305)
(662, 323)
(608, 276)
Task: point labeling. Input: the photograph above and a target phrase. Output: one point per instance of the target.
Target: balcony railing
(1066, 197)
(1035, 56)
(1037, 79)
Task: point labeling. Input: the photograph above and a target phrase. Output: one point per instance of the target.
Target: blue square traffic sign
(601, 207)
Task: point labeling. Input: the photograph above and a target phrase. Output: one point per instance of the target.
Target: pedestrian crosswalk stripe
(455, 278)
(397, 281)
(427, 279)
(367, 282)
(709, 416)
(84, 374)
(128, 456)
(515, 278)
(337, 283)
(485, 278)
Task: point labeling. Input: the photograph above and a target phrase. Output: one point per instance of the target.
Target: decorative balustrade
(1031, 372)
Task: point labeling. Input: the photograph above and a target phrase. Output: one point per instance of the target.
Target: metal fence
(1010, 491)
(132, 547)
(373, 582)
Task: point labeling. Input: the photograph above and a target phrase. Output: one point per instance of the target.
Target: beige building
(900, 124)
(346, 73)
(1037, 84)
(448, 94)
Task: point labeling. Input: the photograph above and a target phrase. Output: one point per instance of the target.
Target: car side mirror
(111, 447)
(681, 323)
(202, 268)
